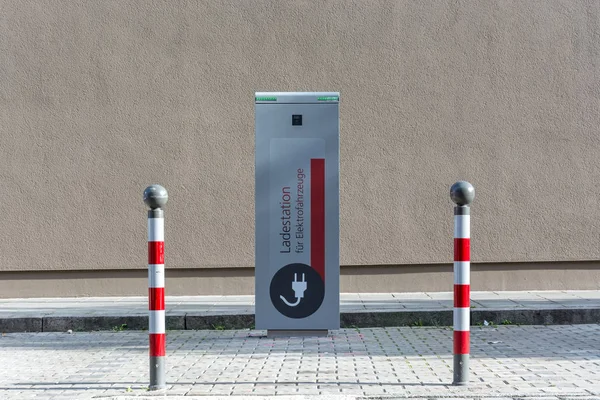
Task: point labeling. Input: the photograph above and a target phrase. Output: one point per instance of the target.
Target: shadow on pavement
(572, 342)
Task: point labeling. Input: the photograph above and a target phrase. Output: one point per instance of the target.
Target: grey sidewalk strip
(23, 324)
(219, 322)
(396, 318)
(357, 310)
(363, 319)
(547, 316)
(94, 323)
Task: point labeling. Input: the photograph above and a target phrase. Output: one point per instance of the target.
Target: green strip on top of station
(328, 98)
(266, 98)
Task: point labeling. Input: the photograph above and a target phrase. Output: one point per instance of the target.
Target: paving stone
(506, 361)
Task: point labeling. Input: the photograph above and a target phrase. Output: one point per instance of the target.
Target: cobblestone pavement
(544, 362)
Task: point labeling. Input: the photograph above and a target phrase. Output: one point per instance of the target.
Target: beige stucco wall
(98, 99)
(362, 279)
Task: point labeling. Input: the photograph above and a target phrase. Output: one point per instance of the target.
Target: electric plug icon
(299, 288)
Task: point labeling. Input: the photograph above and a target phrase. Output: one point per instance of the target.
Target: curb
(191, 321)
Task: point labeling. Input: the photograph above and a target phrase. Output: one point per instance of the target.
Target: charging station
(297, 268)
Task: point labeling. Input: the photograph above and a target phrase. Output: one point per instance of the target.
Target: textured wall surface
(99, 99)
(354, 279)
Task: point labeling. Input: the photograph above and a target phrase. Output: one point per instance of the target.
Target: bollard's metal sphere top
(155, 196)
(462, 193)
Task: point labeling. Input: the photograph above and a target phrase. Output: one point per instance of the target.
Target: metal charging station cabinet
(297, 275)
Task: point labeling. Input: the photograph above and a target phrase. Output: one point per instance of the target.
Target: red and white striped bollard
(462, 193)
(156, 197)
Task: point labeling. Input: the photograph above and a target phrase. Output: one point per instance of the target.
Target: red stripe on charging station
(317, 215)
